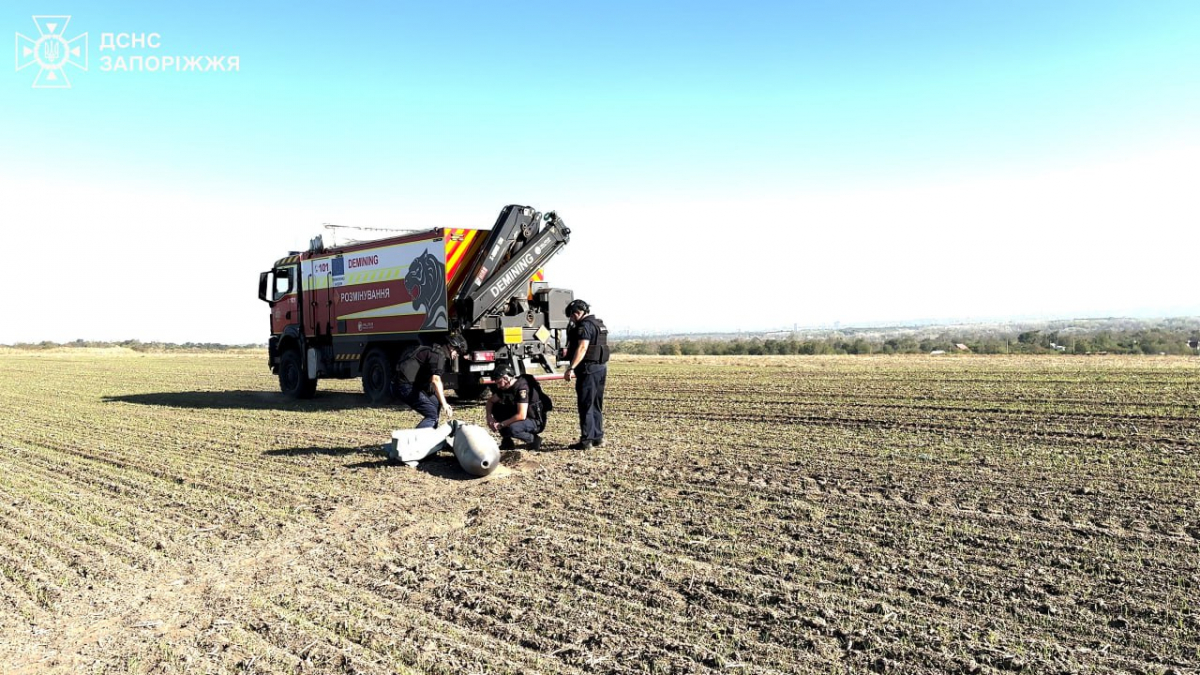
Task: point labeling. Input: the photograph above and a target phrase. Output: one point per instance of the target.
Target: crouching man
(419, 380)
(516, 409)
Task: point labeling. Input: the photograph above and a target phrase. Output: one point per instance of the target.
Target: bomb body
(476, 450)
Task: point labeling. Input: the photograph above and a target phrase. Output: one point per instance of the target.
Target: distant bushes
(1082, 336)
(135, 345)
(1145, 341)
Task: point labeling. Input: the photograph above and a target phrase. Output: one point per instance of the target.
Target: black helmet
(577, 305)
(503, 370)
(457, 343)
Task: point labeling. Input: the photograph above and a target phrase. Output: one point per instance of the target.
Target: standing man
(419, 380)
(515, 410)
(587, 347)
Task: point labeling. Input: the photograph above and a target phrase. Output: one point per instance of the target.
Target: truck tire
(377, 371)
(292, 380)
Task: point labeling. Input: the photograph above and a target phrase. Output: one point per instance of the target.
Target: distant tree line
(135, 345)
(1098, 336)
(1145, 341)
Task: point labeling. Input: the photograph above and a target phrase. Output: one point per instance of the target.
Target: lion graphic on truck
(426, 285)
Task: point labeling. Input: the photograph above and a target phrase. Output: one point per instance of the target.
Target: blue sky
(866, 144)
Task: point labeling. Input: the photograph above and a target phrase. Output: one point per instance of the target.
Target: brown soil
(763, 515)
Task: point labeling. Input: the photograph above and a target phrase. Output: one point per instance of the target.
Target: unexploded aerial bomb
(473, 446)
(476, 449)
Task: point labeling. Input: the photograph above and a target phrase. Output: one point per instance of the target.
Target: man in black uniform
(587, 347)
(419, 380)
(515, 410)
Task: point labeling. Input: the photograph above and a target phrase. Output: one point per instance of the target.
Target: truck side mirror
(263, 283)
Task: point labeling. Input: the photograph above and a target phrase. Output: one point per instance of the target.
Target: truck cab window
(283, 282)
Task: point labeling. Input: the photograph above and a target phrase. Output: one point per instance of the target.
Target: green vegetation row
(1175, 336)
(135, 345)
(1150, 341)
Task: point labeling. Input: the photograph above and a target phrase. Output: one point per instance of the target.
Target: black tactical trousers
(522, 431)
(589, 393)
(423, 402)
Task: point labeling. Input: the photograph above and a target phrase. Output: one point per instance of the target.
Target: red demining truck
(356, 310)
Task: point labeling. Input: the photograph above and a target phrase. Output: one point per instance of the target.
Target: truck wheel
(377, 378)
(292, 380)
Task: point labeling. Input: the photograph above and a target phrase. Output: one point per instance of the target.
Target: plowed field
(163, 514)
